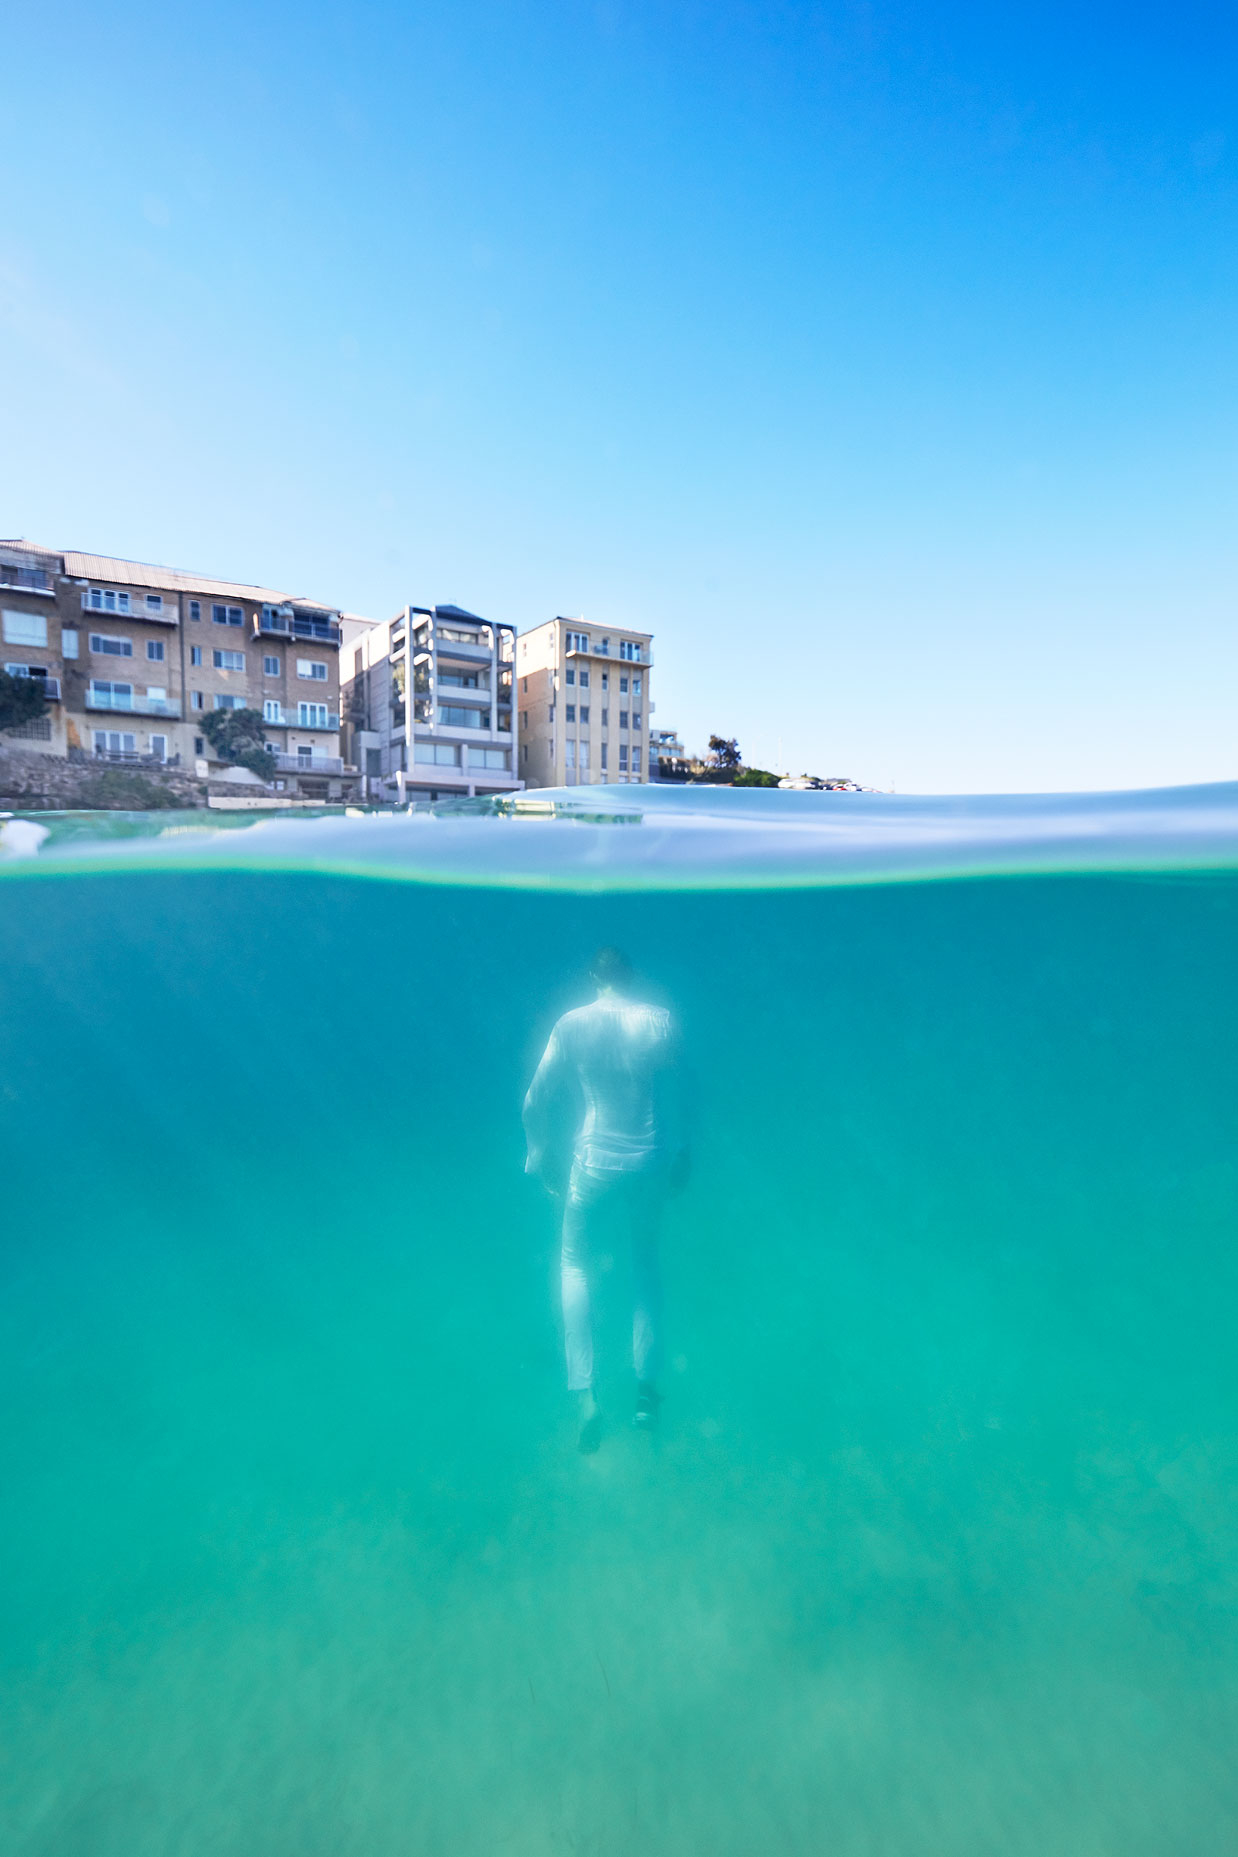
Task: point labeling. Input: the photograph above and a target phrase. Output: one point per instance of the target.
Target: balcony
(312, 764)
(50, 686)
(129, 703)
(465, 654)
(285, 719)
(292, 625)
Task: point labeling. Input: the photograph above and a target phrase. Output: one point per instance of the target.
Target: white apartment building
(583, 704)
(427, 703)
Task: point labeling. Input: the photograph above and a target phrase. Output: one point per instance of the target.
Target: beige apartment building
(428, 710)
(134, 656)
(583, 704)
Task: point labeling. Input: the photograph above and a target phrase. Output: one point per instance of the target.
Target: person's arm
(545, 1095)
(675, 1110)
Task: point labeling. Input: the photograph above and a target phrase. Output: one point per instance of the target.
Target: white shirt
(620, 1055)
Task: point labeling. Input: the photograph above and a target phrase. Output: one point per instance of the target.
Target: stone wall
(32, 782)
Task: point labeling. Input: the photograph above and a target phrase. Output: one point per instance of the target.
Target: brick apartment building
(132, 657)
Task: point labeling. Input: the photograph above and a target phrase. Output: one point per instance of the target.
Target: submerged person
(612, 1152)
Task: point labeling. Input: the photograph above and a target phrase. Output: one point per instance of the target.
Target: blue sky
(879, 359)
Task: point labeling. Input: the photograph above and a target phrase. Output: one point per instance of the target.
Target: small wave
(662, 838)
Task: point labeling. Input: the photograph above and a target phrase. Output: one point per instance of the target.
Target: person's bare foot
(590, 1435)
(648, 1399)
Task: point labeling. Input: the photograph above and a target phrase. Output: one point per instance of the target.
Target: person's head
(610, 971)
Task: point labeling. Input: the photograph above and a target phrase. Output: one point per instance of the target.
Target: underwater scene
(932, 1550)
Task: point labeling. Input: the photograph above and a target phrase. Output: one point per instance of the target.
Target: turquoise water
(937, 1551)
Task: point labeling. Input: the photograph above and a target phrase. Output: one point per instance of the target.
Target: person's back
(619, 1052)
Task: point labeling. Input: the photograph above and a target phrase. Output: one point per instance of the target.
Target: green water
(938, 1549)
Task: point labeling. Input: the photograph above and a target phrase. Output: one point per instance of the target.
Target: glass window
(229, 702)
(623, 757)
(569, 675)
(606, 718)
(623, 686)
(636, 718)
(270, 667)
(227, 615)
(271, 711)
(105, 645)
(312, 715)
(628, 648)
(636, 760)
(636, 682)
(603, 757)
(571, 712)
(159, 747)
(228, 660)
(196, 701)
(569, 753)
(584, 712)
(488, 757)
(606, 680)
(623, 718)
(584, 754)
(195, 654)
(453, 717)
(154, 650)
(25, 628)
(313, 668)
(154, 603)
(68, 641)
(114, 741)
(584, 680)
(105, 600)
(156, 693)
(195, 609)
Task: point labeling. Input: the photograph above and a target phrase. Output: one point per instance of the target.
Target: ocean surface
(936, 1553)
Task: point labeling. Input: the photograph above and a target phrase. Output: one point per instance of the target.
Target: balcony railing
(285, 719)
(312, 764)
(127, 757)
(131, 704)
(281, 625)
(50, 686)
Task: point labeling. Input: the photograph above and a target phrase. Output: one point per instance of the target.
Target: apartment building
(583, 704)
(135, 656)
(428, 703)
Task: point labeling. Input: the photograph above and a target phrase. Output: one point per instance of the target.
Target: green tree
(237, 738)
(21, 700)
(724, 753)
(755, 777)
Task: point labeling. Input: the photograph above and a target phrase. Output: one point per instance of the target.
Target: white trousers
(605, 1212)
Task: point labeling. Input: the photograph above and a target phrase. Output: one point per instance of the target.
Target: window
(107, 695)
(104, 600)
(569, 675)
(623, 757)
(106, 645)
(313, 668)
(606, 680)
(456, 718)
(439, 754)
(584, 712)
(271, 711)
(196, 702)
(154, 602)
(68, 641)
(623, 686)
(229, 702)
(571, 712)
(270, 667)
(584, 756)
(270, 614)
(636, 760)
(227, 615)
(584, 680)
(636, 682)
(488, 757)
(524, 686)
(228, 660)
(199, 744)
(25, 628)
(195, 609)
(628, 648)
(623, 718)
(552, 750)
(195, 654)
(305, 751)
(156, 693)
(114, 741)
(636, 718)
(159, 747)
(604, 651)
(578, 641)
(524, 718)
(312, 715)
(569, 754)
(603, 757)
(154, 650)
(36, 578)
(606, 718)
(550, 713)
(524, 752)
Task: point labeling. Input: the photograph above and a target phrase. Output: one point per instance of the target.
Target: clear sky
(879, 358)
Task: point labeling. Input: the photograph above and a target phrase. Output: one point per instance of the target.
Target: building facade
(428, 708)
(135, 656)
(583, 704)
(668, 759)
